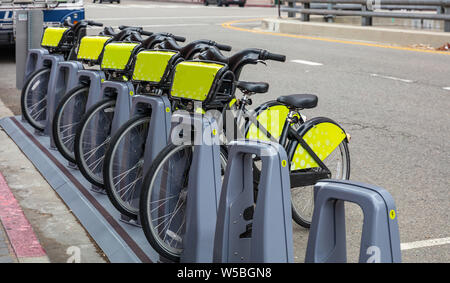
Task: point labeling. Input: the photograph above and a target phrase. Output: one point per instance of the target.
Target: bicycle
(89, 151)
(61, 40)
(123, 179)
(162, 215)
(72, 105)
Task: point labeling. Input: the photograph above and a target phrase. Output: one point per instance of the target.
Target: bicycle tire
(66, 152)
(145, 200)
(79, 137)
(24, 95)
(108, 165)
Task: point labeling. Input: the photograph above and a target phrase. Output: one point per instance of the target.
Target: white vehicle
(55, 12)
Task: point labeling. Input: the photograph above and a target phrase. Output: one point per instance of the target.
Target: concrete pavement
(393, 102)
(55, 226)
(6, 253)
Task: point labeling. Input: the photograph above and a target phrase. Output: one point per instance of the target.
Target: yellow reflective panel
(52, 36)
(151, 65)
(272, 119)
(323, 139)
(91, 47)
(117, 55)
(193, 80)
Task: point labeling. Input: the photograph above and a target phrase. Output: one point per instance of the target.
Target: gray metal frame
(157, 137)
(380, 240)
(270, 239)
(203, 193)
(64, 78)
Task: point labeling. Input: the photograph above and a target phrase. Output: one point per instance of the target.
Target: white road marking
(307, 62)
(172, 18)
(392, 78)
(424, 244)
(446, 88)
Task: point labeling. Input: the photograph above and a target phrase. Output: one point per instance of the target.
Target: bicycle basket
(202, 81)
(153, 66)
(91, 48)
(53, 37)
(117, 56)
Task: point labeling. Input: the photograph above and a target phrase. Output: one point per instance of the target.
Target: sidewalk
(20, 240)
(6, 253)
(54, 225)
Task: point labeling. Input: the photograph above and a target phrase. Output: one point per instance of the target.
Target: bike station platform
(119, 241)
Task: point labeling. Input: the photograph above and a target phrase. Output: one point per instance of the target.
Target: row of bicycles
(196, 78)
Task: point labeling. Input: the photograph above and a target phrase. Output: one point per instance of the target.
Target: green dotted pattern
(117, 55)
(52, 36)
(91, 47)
(151, 65)
(193, 80)
(323, 139)
(272, 119)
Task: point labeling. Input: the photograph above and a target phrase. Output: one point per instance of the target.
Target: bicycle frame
(289, 138)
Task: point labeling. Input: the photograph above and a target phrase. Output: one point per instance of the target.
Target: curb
(21, 236)
(201, 3)
(369, 34)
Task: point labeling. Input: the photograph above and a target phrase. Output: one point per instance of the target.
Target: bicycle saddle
(252, 87)
(303, 101)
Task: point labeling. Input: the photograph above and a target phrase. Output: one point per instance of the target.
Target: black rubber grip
(122, 27)
(148, 33)
(224, 47)
(92, 23)
(276, 57)
(179, 38)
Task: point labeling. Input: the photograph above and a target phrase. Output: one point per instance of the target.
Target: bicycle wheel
(67, 118)
(33, 100)
(302, 197)
(163, 199)
(92, 139)
(123, 166)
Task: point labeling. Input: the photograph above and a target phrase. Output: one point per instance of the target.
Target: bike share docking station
(129, 104)
(235, 228)
(224, 223)
(119, 241)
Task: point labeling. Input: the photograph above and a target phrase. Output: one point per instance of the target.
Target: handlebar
(266, 55)
(178, 38)
(92, 23)
(137, 29)
(244, 57)
(223, 47)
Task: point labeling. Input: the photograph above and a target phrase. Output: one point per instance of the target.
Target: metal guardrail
(367, 9)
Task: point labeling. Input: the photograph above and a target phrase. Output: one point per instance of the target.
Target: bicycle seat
(304, 101)
(252, 87)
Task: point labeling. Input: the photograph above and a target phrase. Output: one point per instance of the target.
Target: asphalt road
(394, 103)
